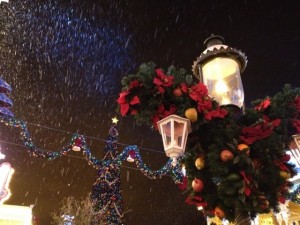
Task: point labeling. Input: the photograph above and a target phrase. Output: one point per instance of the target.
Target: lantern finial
(213, 40)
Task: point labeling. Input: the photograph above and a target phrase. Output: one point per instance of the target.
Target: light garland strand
(80, 141)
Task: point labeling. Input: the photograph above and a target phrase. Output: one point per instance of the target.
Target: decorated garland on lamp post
(80, 141)
(234, 159)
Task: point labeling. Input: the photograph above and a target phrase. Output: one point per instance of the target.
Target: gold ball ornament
(263, 202)
(284, 174)
(191, 114)
(199, 163)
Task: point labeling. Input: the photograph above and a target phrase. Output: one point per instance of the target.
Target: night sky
(65, 60)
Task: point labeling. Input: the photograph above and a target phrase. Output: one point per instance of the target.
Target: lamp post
(219, 67)
(174, 130)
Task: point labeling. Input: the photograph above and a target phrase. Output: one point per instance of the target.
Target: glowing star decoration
(115, 120)
(6, 172)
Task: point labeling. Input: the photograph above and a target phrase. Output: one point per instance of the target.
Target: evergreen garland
(238, 159)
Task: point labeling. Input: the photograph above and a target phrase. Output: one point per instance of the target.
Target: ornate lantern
(295, 147)
(219, 68)
(174, 130)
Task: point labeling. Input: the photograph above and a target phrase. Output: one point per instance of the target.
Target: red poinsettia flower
(184, 87)
(247, 182)
(125, 105)
(162, 80)
(204, 104)
(263, 105)
(217, 113)
(134, 84)
(281, 165)
(198, 92)
(296, 124)
(195, 200)
(162, 113)
(260, 131)
(282, 192)
(183, 186)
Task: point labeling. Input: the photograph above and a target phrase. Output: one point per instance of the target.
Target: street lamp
(219, 68)
(295, 147)
(174, 130)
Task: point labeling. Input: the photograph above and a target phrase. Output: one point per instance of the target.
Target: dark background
(65, 60)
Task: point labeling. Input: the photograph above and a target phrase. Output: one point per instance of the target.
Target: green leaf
(241, 190)
(236, 160)
(242, 198)
(254, 203)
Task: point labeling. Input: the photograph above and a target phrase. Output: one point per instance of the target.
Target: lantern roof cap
(216, 48)
(189, 129)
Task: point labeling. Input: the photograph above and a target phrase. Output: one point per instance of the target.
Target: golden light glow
(222, 78)
(15, 215)
(220, 68)
(2, 156)
(6, 172)
(221, 87)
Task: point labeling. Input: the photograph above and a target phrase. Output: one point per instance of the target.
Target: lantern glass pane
(178, 132)
(167, 134)
(223, 80)
(297, 140)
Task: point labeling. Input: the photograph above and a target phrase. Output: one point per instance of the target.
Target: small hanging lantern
(219, 67)
(77, 144)
(131, 156)
(174, 130)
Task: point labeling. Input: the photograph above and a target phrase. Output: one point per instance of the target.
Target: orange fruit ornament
(219, 213)
(263, 202)
(226, 155)
(191, 114)
(177, 92)
(242, 147)
(197, 185)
